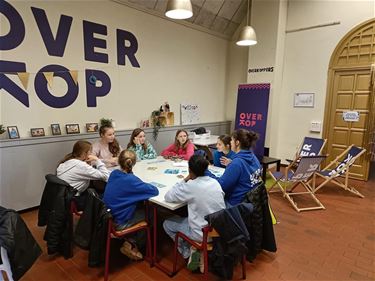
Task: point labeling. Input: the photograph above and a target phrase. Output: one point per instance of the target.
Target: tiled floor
(333, 244)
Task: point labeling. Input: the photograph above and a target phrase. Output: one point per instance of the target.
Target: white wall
(177, 64)
(307, 55)
(237, 64)
(300, 58)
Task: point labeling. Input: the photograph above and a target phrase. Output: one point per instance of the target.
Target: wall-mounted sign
(350, 116)
(304, 100)
(263, 69)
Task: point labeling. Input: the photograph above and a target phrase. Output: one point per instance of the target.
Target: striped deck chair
(289, 180)
(341, 169)
(309, 147)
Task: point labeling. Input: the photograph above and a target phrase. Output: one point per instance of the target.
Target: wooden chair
(204, 246)
(289, 180)
(113, 233)
(340, 167)
(308, 147)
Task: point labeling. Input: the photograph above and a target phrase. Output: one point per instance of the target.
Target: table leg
(155, 232)
(264, 174)
(278, 164)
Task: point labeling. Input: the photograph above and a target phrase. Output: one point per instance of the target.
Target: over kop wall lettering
(127, 46)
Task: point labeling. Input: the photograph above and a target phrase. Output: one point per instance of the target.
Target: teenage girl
(244, 172)
(107, 148)
(77, 170)
(182, 147)
(223, 155)
(138, 144)
(123, 192)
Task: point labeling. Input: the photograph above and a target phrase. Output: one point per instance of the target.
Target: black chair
(55, 212)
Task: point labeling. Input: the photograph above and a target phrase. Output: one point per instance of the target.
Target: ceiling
(217, 17)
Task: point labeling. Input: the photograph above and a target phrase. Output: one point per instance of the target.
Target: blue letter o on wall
(41, 87)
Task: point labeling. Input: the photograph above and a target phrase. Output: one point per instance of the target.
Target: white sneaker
(194, 259)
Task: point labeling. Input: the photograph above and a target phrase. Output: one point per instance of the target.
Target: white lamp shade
(247, 36)
(179, 9)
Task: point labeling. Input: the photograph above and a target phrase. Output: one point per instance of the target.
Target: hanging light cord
(248, 6)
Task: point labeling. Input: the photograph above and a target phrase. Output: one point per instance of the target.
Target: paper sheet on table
(153, 161)
(181, 164)
(218, 172)
(158, 185)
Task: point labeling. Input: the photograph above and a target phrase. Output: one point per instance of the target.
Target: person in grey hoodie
(76, 170)
(203, 195)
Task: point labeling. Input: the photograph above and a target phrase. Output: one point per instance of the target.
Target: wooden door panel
(351, 92)
(356, 138)
(363, 119)
(361, 101)
(363, 82)
(344, 100)
(339, 121)
(345, 83)
(340, 136)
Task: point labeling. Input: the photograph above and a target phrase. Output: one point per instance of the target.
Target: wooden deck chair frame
(334, 178)
(297, 156)
(288, 189)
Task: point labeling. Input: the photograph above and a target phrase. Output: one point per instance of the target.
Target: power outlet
(316, 126)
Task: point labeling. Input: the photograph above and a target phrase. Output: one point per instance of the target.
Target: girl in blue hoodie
(223, 155)
(122, 193)
(244, 172)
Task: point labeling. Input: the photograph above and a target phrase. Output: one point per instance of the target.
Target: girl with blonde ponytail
(123, 192)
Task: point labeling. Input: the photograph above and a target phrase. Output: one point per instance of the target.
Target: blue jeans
(179, 224)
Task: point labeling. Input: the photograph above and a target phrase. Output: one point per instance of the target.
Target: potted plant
(158, 121)
(106, 122)
(2, 129)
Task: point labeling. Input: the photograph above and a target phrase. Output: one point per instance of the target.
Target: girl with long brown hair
(223, 155)
(182, 147)
(107, 148)
(77, 170)
(138, 144)
(244, 172)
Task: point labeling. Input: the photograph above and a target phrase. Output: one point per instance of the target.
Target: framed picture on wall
(92, 127)
(304, 100)
(13, 132)
(37, 132)
(55, 128)
(72, 129)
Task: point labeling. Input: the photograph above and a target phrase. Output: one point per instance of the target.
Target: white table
(141, 170)
(205, 141)
(153, 171)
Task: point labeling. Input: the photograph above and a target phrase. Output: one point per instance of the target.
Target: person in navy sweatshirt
(223, 155)
(123, 191)
(244, 172)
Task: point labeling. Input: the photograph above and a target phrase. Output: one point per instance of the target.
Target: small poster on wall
(189, 113)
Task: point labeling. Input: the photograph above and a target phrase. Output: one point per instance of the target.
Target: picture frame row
(55, 129)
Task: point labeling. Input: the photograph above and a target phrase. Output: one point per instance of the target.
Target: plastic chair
(306, 168)
(113, 233)
(205, 246)
(341, 169)
(5, 266)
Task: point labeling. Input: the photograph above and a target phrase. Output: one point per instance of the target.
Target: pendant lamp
(247, 35)
(179, 9)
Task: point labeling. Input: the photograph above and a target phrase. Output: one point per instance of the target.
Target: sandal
(131, 251)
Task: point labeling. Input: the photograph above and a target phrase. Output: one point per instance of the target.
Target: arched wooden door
(350, 88)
